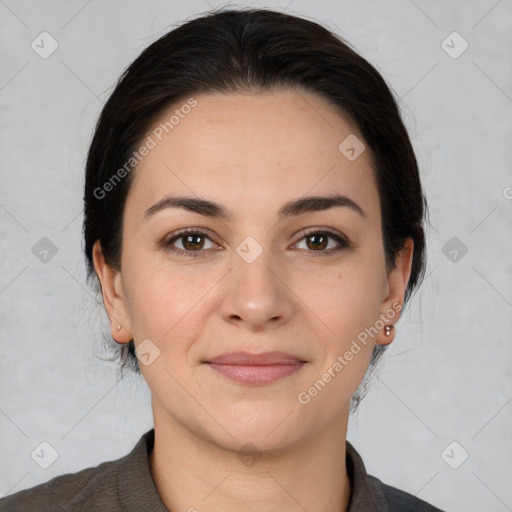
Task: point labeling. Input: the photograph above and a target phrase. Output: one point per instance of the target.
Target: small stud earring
(388, 329)
(119, 327)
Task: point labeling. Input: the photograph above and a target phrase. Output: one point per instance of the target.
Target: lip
(256, 368)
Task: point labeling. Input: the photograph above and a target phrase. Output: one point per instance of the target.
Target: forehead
(252, 149)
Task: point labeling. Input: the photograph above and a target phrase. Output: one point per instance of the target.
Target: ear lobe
(396, 285)
(113, 296)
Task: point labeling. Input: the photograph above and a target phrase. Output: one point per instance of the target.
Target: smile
(256, 368)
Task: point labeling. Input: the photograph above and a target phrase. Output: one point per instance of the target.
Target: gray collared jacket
(126, 484)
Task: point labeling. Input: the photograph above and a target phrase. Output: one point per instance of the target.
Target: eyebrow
(215, 210)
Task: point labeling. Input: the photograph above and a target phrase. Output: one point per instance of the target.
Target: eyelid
(206, 232)
(341, 239)
(181, 233)
(320, 229)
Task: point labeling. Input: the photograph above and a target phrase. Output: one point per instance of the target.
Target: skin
(252, 152)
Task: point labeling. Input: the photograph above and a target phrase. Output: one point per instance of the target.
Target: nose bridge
(253, 267)
(253, 264)
(256, 294)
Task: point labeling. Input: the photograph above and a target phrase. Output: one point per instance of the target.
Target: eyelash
(167, 243)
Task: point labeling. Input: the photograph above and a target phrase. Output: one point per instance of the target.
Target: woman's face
(256, 280)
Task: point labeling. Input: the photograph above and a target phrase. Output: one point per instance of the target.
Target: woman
(254, 216)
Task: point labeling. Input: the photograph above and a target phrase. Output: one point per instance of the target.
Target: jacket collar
(135, 480)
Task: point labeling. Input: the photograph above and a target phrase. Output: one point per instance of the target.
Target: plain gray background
(447, 376)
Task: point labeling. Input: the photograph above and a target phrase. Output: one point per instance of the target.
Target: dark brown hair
(252, 49)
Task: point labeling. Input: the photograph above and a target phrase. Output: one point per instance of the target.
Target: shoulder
(67, 492)
(401, 501)
(369, 494)
(110, 486)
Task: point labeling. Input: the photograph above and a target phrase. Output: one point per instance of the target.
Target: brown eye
(318, 241)
(188, 243)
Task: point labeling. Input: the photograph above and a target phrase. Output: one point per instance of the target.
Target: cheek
(347, 303)
(163, 297)
(346, 298)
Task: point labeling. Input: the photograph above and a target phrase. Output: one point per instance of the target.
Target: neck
(193, 474)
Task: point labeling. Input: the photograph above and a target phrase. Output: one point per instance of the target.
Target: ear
(396, 284)
(113, 296)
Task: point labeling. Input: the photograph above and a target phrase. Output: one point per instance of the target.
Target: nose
(257, 294)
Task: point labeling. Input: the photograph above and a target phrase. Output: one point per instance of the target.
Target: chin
(271, 427)
(254, 440)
